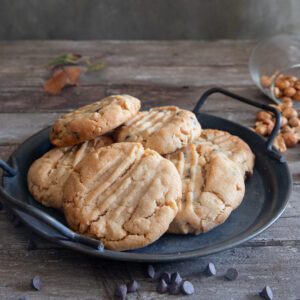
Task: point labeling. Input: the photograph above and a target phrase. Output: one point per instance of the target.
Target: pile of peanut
(289, 134)
(285, 86)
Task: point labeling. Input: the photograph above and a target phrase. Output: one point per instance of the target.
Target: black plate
(266, 197)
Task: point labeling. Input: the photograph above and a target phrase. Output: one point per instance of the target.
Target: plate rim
(167, 257)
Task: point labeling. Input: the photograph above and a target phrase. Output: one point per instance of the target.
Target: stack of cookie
(126, 177)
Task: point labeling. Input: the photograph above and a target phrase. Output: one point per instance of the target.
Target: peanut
(294, 122)
(286, 105)
(290, 139)
(297, 86)
(286, 128)
(262, 129)
(279, 143)
(277, 92)
(289, 92)
(262, 115)
(282, 84)
(284, 121)
(287, 100)
(296, 97)
(265, 81)
(290, 113)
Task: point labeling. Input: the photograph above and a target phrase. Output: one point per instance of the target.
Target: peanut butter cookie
(93, 120)
(212, 187)
(48, 174)
(232, 146)
(123, 195)
(163, 129)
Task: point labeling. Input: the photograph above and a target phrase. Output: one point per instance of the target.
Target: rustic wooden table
(159, 73)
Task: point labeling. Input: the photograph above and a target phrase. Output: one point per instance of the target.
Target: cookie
(122, 195)
(232, 146)
(212, 187)
(93, 120)
(47, 175)
(163, 129)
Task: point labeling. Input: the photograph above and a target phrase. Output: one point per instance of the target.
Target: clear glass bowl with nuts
(275, 67)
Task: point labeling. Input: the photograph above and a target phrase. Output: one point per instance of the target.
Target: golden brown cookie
(123, 195)
(93, 120)
(47, 175)
(212, 187)
(232, 146)
(163, 129)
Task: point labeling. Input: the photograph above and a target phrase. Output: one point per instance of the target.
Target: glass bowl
(272, 59)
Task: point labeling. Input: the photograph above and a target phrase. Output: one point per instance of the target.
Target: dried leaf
(65, 59)
(62, 78)
(96, 67)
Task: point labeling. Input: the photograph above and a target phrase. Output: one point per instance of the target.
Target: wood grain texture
(159, 73)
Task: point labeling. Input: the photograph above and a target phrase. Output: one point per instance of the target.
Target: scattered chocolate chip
(31, 245)
(132, 286)
(176, 278)
(76, 135)
(37, 283)
(187, 288)
(210, 270)
(162, 286)
(166, 276)
(231, 274)
(150, 271)
(24, 298)
(121, 291)
(266, 293)
(1, 205)
(174, 289)
(127, 137)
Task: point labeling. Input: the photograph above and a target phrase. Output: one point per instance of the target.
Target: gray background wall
(147, 19)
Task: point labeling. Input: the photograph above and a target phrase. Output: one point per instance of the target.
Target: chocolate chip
(266, 293)
(176, 278)
(231, 274)
(37, 283)
(76, 135)
(210, 270)
(127, 137)
(132, 286)
(24, 298)
(162, 286)
(121, 291)
(248, 175)
(174, 289)
(31, 245)
(166, 276)
(187, 288)
(150, 271)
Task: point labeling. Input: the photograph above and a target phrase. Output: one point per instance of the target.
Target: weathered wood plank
(31, 99)
(135, 53)
(158, 75)
(89, 278)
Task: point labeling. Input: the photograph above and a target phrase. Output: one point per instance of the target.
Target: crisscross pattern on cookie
(163, 129)
(232, 146)
(212, 186)
(48, 174)
(93, 120)
(123, 195)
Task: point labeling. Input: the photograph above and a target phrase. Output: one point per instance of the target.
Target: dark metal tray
(267, 193)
